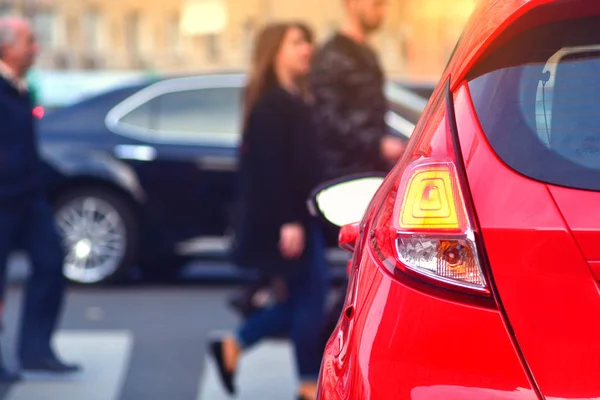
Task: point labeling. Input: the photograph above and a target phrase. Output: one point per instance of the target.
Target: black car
(424, 89)
(136, 171)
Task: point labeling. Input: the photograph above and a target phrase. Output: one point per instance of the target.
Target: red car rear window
(538, 100)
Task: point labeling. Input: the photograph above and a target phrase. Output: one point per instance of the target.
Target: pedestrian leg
(268, 322)
(308, 297)
(45, 291)
(272, 321)
(9, 221)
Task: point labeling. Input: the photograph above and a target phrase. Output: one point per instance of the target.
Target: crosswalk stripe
(104, 356)
(265, 372)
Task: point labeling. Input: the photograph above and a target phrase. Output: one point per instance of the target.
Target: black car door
(186, 158)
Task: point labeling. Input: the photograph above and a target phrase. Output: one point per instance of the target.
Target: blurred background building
(182, 36)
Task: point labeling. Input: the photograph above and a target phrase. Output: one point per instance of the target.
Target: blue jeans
(30, 226)
(300, 316)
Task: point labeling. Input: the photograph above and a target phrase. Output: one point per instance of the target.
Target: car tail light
(425, 229)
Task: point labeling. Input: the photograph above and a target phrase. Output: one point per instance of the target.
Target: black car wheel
(99, 231)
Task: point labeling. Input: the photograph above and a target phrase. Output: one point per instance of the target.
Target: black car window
(538, 101)
(139, 117)
(192, 113)
(189, 116)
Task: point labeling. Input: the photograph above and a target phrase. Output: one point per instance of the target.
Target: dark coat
(20, 166)
(278, 170)
(350, 107)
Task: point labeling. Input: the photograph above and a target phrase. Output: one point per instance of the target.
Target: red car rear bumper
(404, 344)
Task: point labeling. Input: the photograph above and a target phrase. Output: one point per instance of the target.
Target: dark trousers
(301, 315)
(30, 226)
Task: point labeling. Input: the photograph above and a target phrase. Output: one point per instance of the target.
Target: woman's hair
(262, 72)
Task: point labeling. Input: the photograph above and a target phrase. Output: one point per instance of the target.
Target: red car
(476, 265)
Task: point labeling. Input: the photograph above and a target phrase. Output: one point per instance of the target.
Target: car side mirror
(345, 200)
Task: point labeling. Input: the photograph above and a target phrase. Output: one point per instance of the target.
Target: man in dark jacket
(350, 106)
(25, 216)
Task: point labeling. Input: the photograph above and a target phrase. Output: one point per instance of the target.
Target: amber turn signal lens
(431, 199)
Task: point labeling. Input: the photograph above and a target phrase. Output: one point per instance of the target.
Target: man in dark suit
(26, 218)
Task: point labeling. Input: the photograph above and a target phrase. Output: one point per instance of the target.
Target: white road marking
(265, 372)
(104, 356)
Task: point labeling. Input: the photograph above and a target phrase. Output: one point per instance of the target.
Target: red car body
(506, 304)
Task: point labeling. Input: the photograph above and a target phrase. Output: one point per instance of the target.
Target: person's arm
(346, 120)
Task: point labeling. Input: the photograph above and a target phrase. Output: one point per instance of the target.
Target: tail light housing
(424, 232)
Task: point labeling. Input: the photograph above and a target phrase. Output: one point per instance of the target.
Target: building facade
(184, 36)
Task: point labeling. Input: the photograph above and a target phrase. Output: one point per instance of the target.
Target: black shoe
(7, 377)
(49, 364)
(216, 350)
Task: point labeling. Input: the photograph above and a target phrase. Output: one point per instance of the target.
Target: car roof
(115, 102)
(402, 119)
(491, 19)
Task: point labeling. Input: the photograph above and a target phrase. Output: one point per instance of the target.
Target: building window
(71, 32)
(248, 38)
(43, 22)
(212, 45)
(173, 37)
(92, 30)
(116, 34)
(403, 47)
(132, 34)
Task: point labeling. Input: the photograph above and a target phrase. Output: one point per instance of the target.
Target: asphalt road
(141, 342)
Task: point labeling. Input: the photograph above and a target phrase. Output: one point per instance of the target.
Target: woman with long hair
(274, 232)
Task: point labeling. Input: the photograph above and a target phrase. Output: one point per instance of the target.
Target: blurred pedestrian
(350, 105)
(26, 219)
(274, 232)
